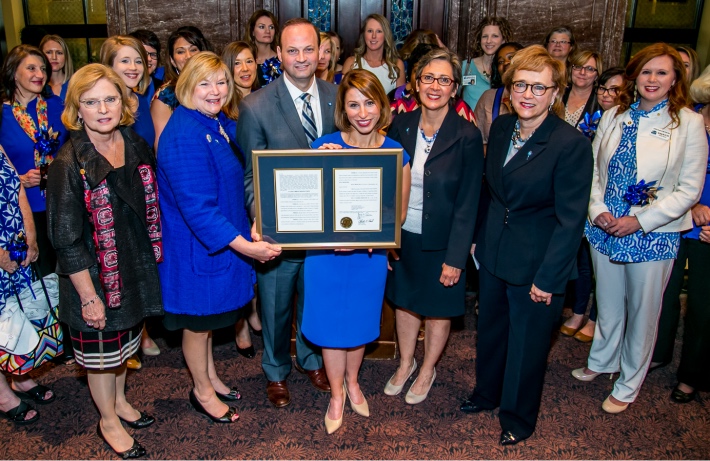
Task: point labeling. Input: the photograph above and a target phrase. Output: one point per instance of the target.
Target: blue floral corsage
(271, 69)
(590, 123)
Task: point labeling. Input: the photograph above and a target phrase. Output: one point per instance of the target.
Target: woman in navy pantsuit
(539, 173)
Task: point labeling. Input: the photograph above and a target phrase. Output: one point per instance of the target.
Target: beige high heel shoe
(332, 425)
(613, 408)
(391, 389)
(360, 408)
(412, 398)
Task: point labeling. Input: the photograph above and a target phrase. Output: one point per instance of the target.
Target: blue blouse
(166, 95)
(63, 91)
(637, 247)
(144, 121)
(20, 148)
(201, 183)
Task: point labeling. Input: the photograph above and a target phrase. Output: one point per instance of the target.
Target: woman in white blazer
(634, 240)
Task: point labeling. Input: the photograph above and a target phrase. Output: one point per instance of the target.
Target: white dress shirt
(298, 102)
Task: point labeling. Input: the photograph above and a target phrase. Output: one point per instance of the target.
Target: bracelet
(91, 301)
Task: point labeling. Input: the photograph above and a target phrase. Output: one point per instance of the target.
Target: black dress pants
(693, 369)
(514, 335)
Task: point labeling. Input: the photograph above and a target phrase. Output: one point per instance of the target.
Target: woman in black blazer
(539, 175)
(447, 167)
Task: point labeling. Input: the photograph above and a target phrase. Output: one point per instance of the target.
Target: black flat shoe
(247, 352)
(224, 419)
(231, 396)
(17, 414)
(136, 451)
(37, 394)
(508, 438)
(140, 423)
(679, 396)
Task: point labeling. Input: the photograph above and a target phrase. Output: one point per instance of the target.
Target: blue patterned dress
(10, 224)
(637, 247)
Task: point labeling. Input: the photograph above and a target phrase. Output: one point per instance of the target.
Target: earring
(81, 121)
(550, 108)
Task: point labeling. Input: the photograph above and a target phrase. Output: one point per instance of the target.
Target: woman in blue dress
(31, 113)
(126, 56)
(343, 325)
(57, 52)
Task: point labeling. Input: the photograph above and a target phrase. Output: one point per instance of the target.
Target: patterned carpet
(571, 424)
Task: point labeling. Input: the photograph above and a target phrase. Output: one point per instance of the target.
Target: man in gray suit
(287, 114)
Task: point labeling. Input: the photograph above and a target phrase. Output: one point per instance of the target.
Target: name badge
(468, 80)
(661, 134)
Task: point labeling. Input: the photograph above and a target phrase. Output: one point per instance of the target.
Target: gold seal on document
(346, 222)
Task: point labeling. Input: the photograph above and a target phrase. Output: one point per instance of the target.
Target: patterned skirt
(102, 350)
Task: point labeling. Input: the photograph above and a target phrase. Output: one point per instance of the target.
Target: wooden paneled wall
(598, 24)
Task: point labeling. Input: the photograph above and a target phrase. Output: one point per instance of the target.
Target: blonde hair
(325, 37)
(700, 88)
(366, 83)
(535, 58)
(110, 49)
(389, 51)
(68, 64)
(580, 58)
(85, 79)
(200, 67)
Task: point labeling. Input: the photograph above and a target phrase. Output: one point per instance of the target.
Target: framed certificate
(326, 199)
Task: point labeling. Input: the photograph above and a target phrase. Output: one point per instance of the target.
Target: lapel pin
(407, 130)
(209, 138)
(529, 155)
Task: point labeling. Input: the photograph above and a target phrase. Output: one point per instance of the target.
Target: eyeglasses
(560, 42)
(153, 56)
(94, 104)
(538, 89)
(588, 69)
(443, 81)
(613, 91)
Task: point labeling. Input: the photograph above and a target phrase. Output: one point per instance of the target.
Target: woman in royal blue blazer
(207, 273)
(539, 174)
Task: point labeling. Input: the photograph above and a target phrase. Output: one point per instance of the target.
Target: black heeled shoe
(258, 333)
(136, 451)
(231, 396)
(247, 352)
(679, 396)
(508, 438)
(224, 419)
(143, 421)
